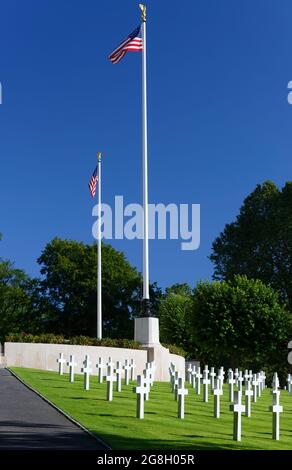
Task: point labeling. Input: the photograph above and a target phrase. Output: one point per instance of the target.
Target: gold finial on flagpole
(99, 156)
(143, 11)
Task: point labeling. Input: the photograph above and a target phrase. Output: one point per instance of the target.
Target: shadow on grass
(118, 442)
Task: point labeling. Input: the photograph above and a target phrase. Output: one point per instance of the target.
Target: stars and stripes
(92, 183)
(132, 43)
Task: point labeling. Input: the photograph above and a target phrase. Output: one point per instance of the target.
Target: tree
(258, 243)
(241, 323)
(69, 289)
(16, 307)
(174, 315)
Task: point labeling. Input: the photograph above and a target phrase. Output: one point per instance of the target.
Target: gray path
(28, 422)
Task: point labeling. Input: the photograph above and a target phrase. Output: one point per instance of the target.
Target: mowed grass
(116, 423)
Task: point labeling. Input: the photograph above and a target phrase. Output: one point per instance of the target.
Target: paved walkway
(28, 422)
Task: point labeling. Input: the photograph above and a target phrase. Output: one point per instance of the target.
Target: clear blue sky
(219, 121)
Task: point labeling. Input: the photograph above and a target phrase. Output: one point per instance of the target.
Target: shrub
(78, 340)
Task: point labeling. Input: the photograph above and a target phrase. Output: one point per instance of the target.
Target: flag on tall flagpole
(92, 183)
(136, 41)
(132, 43)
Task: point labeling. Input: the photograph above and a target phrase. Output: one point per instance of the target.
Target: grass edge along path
(116, 424)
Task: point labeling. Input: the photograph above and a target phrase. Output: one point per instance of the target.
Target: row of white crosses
(112, 375)
(144, 383)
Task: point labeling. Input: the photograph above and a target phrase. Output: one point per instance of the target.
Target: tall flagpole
(146, 302)
(99, 300)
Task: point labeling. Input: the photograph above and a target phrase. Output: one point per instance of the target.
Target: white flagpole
(99, 303)
(146, 302)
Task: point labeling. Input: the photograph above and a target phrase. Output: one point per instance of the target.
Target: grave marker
(231, 382)
(182, 392)
(61, 362)
(100, 367)
(127, 369)
(86, 371)
(276, 409)
(212, 378)
(248, 394)
(71, 364)
(217, 392)
(198, 380)
(110, 379)
(206, 382)
(119, 373)
(237, 409)
(133, 367)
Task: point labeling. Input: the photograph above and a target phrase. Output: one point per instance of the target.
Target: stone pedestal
(147, 331)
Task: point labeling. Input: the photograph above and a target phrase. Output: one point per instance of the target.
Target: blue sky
(219, 121)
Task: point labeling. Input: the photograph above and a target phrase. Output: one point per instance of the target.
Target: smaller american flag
(132, 43)
(92, 182)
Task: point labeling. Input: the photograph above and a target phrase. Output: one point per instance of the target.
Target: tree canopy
(240, 323)
(258, 243)
(69, 285)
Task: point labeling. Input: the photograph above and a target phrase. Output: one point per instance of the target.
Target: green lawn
(115, 422)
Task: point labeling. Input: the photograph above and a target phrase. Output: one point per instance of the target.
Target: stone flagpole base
(147, 331)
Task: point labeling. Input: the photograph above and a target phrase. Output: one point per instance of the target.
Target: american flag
(92, 182)
(132, 43)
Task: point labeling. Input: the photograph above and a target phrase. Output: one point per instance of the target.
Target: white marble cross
(133, 367)
(289, 383)
(250, 375)
(206, 382)
(119, 372)
(237, 409)
(147, 379)
(276, 409)
(190, 369)
(220, 377)
(275, 381)
(259, 379)
(151, 368)
(231, 382)
(212, 377)
(61, 361)
(236, 376)
(246, 375)
(141, 391)
(198, 380)
(263, 375)
(194, 374)
(172, 375)
(255, 388)
(176, 380)
(248, 394)
(182, 392)
(100, 367)
(240, 380)
(86, 369)
(217, 392)
(110, 366)
(110, 379)
(127, 369)
(149, 373)
(71, 364)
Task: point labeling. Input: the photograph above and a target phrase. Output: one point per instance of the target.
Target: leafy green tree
(174, 315)
(17, 311)
(258, 243)
(241, 323)
(69, 289)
